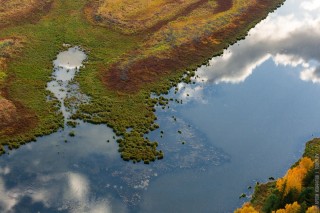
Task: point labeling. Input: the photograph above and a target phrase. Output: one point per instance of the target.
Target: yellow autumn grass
(9, 6)
(12, 7)
(201, 21)
(15, 10)
(137, 15)
(204, 18)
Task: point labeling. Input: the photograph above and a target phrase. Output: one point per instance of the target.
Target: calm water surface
(246, 118)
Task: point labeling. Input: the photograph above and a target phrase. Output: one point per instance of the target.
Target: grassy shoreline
(66, 22)
(134, 108)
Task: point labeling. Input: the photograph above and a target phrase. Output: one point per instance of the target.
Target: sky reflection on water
(290, 37)
(247, 121)
(258, 102)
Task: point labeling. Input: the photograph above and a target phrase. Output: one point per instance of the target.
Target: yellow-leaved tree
(246, 208)
(294, 177)
(290, 208)
(313, 209)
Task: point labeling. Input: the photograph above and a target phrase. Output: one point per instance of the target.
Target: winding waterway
(246, 118)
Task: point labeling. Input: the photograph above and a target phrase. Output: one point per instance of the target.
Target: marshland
(170, 107)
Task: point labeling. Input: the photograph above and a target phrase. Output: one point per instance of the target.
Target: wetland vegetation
(135, 51)
(131, 55)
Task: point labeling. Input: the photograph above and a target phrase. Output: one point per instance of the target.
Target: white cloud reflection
(78, 187)
(4, 170)
(74, 188)
(77, 194)
(70, 59)
(310, 5)
(189, 92)
(59, 179)
(8, 199)
(288, 39)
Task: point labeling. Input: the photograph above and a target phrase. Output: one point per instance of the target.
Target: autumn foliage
(296, 208)
(290, 208)
(293, 193)
(246, 208)
(313, 209)
(294, 177)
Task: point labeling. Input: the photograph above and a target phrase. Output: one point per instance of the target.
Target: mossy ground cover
(122, 70)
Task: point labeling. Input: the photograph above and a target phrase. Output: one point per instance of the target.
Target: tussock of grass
(3, 75)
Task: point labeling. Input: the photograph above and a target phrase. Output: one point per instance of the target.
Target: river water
(245, 119)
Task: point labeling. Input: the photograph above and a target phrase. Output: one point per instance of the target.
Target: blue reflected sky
(290, 37)
(246, 118)
(258, 102)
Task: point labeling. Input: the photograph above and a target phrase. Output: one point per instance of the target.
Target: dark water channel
(246, 118)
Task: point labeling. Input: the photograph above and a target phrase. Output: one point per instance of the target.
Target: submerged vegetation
(295, 192)
(132, 53)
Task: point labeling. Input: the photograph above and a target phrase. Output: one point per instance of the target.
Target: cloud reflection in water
(70, 181)
(288, 39)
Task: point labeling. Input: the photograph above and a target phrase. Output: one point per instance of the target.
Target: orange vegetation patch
(17, 11)
(176, 47)
(15, 118)
(134, 16)
(8, 112)
(145, 16)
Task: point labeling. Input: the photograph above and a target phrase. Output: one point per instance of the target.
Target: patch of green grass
(3, 75)
(312, 148)
(261, 193)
